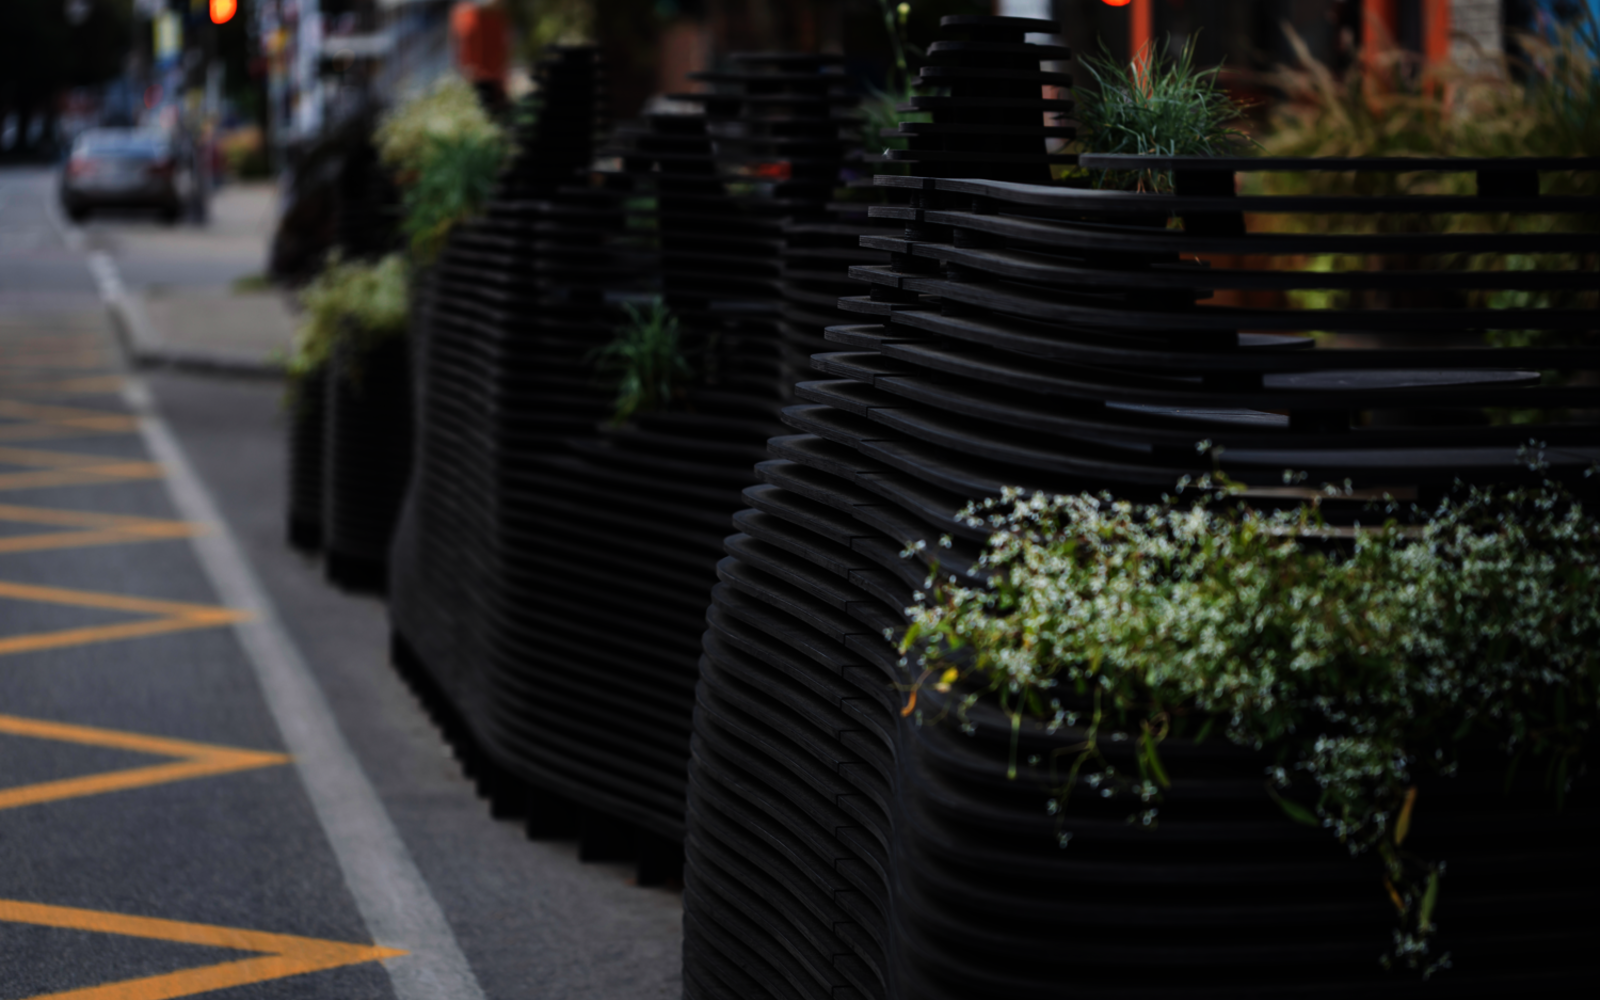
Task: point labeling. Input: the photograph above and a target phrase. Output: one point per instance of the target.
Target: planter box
(307, 415)
(368, 456)
(1055, 339)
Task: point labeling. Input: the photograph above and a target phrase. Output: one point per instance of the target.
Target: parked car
(124, 168)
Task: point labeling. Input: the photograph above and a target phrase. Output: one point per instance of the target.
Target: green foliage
(447, 153)
(879, 107)
(355, 299)
(646, 360)
(1548, 106)
(1358, 659)
(454, 182)
(878, 115)
(896, 20)
(542, 23)
(447, 113)
(1157, 105)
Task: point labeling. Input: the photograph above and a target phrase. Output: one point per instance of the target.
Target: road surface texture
(211, 781)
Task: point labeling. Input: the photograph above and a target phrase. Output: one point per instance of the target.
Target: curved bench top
(1386, 164)
(1074, 199)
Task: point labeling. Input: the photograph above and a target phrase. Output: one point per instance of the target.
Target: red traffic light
(222, 11)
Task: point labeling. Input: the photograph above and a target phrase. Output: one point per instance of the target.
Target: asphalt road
(155, 839)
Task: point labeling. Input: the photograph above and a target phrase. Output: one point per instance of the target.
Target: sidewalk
(193, 294)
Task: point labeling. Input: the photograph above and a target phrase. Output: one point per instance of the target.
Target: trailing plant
(1157, 104)
(1358, 659)
(646, 360)
(447, 154)
(349, 298)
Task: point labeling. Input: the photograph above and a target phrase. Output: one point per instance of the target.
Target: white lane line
(394, 899)
(139, 339)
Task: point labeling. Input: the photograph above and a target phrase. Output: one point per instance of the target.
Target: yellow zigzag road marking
(282, 955)
(95, 529)
(66, 468)
(85, 385)
(55, 359)
(195, 760)
(172, 616)
(45, 420)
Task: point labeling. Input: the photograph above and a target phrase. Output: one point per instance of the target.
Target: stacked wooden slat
(631, 516)
(499, 379)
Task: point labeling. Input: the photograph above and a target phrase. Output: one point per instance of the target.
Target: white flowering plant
(447, 153)
(448, 113)
(1358, 657)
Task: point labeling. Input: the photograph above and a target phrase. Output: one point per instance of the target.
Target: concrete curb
(142, 345)
(390, 892)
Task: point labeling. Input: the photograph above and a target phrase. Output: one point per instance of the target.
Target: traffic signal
(222, 11)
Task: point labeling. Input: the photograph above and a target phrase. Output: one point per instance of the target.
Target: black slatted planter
(634, 515)
(306, 412)
(515, 303)
(1226, 896)
(1054, 339)
(368, 459)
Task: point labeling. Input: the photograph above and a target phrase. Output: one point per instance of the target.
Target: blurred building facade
(329, 60)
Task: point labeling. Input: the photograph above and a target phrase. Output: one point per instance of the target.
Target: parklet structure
(1058, 339)
(869, 356)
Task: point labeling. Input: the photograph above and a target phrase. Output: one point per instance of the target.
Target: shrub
(454, 182)
(358, 299)
(1547, 106)
(1156, 104)
(447, 154)
(1358, 659)
(447, 113)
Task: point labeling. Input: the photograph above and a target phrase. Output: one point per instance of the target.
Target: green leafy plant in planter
(1359, 658)
(879, 107)
(1158, 104)
(363, 300)
(446, 153)
(646, 360)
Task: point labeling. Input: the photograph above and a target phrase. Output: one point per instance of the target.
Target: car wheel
(170, 216)
(77, 213)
